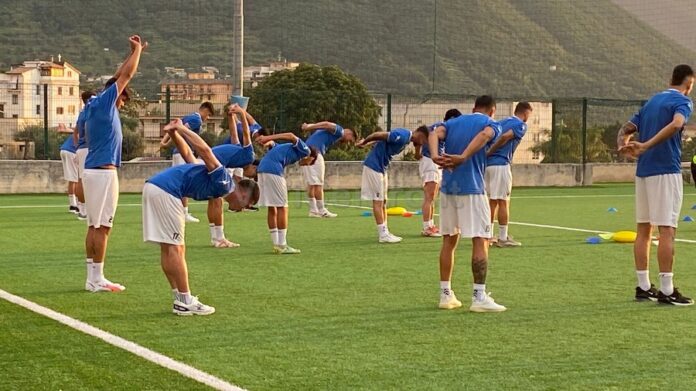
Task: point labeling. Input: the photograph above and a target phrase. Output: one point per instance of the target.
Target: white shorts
(467, 215)
(238, 172)
(101, 196)
(428, 170)
(274, 190)
(314, 174)
(498, 182)
(70, 172)
(163, 216)
(374, 185)
(81, 157)
(659, 199)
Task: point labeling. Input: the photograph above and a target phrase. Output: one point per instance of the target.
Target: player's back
(281, 156)
(503, 155)
(194, 181)
(103, 130)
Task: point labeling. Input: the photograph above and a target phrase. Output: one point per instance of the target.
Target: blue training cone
(688, 219)
(418, 212)
(366, 213)
(612, 210)
(593, 240)
(693, 206)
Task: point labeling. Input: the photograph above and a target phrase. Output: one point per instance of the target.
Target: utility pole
(238, 57)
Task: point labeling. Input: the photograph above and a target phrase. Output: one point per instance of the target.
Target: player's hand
(452, 161)
(134, 41)
(633, 149)
(304, 126)
(360, 143)
(263, 140)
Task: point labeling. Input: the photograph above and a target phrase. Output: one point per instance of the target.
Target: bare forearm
(664, 134)
(195, 140)
(433, 141)
(119, 71)
(129, 68)
(234, 137)
(246, 134)
(321, 125)
(283, 137)
(183, 148)
(478, 143)
(75, 136)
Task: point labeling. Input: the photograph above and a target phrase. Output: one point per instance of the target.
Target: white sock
(81, 207)
(382, 229)
(274, 235)
(312, 205)
(666, 286)
(175, 293)
(211, 228)
(426, 225)
(88, 264)
(431, 223)
(643, 279)
(97, 269)
(282, 237)
(73, 199)
(445, 287)
(502, 232)
(320, 205)
(479, 291)
(185, 297)
(186, 210)
(219, 231)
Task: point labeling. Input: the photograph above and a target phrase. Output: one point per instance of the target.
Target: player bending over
(659, 184)
(499, 174)
(69, 160)
(464, 209)
(325, 134)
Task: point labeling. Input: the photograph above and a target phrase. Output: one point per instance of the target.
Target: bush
(346, 153)
(35, 134)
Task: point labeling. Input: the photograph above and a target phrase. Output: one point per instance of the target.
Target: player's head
(123, 98)
(86, 95)
(206, 110)
(348, 136)
(245, 195)
(250, 170)
(260, 132)
(523, 110)
(485, 104)
(309, 160)
(683, 76)
(452, 113)
(420, 136)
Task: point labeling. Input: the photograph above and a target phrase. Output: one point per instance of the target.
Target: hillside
(672, 18)
(505, 47)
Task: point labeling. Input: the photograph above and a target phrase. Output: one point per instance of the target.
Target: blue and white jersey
(503, 156)
(194, 181)
(234, 156)
(322, 139)
(253, 128)
(384, 150)
(281, 156)
(425, 148)
(103, 130)
(194, 122)
(658, 112)
(467, 178)
(68, 145)
(80, 125)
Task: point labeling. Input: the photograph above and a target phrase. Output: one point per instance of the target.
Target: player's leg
(693, 171)
(641, 247)
(429, 193)
(282, 216)
(449, 225)
(319, 170)
(79, 188)
(177, 160)
(176, 270)
(272, 220)
(311, 200)
(216, 225)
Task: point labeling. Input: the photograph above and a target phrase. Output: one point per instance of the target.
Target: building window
(2, 110)
(209, 97)
(70, 75)
(60, 90)
(15, 115)
(15, 99)
(38, 109)
(59, 110)
(535, 155)
(38, 89)
(72, 91)
(71, 109)
(45, 72)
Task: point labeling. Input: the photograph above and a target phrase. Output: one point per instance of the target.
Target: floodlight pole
(238, 56)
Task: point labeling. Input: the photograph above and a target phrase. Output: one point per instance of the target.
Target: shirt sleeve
(339, 131)
(635, 120)
(395, 137)
(194, 123)
(302, 148)
(685, 109)
(520, 130)
(497, 130)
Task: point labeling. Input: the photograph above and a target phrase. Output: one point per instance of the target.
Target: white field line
(140, 351)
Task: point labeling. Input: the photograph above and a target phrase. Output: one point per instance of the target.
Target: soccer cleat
(389, 238)
(195, 308)
(191, 219)
(509, 242)
(103, 286)
(315, 214)
(289, 250)
(448, 301)
(675, 298)
(326, 214)
(647, 295)
(486, 305)
(492, 242)
(251, 209)
(224, 243)
(74, 210)
(431, 232)
(81, 217)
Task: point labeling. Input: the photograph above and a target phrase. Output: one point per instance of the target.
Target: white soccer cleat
(224, 243)
(431, 232)
(326, 214)
(191, 219)
(448, 301)
(486, 305)
(509, 242)
(389, 238)
(195, 308)
(103, 286)
(81, 217)
(315, 214)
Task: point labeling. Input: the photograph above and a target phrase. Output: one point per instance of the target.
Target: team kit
(465, 160)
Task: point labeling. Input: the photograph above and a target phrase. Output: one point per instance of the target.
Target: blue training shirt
(80, 125)
(194, 122)
(103, 132)
(234, 156)
(68, 145)
(194, 181)
(322, 139)
(425, 148)
(384, 150)
(503, 156)
(281, 156)
(658, 112)
(467, 178)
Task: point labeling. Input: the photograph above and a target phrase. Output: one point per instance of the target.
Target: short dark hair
(522, 107)
(261, 132)
(86, 95)
(251, 189)
(452, 113)
(422, 129)
(256, 162)
(680, 73)
(209, 106)
(113, 81)
(484, 102)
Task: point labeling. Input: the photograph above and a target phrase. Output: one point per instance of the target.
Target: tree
(565, 146)
(311, 93)
(35, 134)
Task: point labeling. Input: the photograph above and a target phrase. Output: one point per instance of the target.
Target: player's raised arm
(232, 121)
(330, 126)
(374, 137)
(203, 149)
(126, 71)
(246, 133)
(180, 144)
(279, 137)
(479, 142)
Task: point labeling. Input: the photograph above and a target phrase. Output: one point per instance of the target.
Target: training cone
(693, 206)
(396, 211)
(593, 240)
(688, 219)
(418, 212)
(612, 210)
(407, 214)
(366, 213)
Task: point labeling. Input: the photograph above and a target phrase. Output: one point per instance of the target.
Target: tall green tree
(565, 144)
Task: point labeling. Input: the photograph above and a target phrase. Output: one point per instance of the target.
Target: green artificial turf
(348, 313)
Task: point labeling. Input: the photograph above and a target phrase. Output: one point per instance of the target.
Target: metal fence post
(45, 115)
(584, 132)
(389, 112)
(168, 105)
(554, 133)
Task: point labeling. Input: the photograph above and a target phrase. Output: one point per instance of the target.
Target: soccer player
(375, 181)
(69, 160)
(274, 190)
(193, 121)
(100, 179)
(81, 154)
(659, 184)
(325, 134)
(499, 174)
(464, 209)
(164, 214)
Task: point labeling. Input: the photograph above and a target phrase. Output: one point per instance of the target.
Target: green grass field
(348, 313)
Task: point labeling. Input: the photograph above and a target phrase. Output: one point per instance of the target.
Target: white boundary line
(132, 347)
